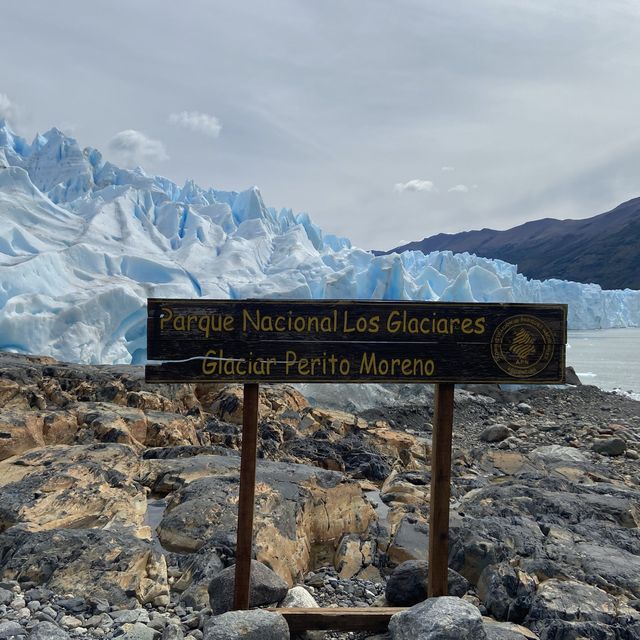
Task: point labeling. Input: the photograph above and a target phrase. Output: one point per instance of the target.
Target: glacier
(84, 243)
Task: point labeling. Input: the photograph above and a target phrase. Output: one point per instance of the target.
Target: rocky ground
(118, 499)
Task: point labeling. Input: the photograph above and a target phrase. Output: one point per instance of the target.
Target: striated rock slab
(111, 565)
(296, 506)
(567, 609)
(72, 487)
(19, 432)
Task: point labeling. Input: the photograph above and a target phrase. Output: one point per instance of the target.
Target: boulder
(574, 602)
(19, 432)
(73, 491)
(138, 631)
(13, 395)
(557, 454)
(172, 632)
(407, 585)
(408, 487)
(297, 506)
(10, 630)
(610, 446)
(496, 433)
(410, 539)
(267, 587)
(48, 631)
(481, 540)
(169, 429)
(353, 555)
(507, 631)
(506, 592)
(247, 625)
(196, 576)
(299, 597)
(111, 565)
(60, 427)
(444, 618)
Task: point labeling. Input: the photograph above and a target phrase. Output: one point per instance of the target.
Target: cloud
(8, 110)
(198, 122)
(415, 185)
(135, 148)
(461, 188)
(446, 168)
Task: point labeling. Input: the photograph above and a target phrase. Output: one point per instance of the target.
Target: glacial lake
(607, 358)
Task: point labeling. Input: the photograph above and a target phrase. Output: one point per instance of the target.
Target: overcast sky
(387, 121)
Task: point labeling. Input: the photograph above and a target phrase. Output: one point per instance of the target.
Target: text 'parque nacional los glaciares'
(354, 341)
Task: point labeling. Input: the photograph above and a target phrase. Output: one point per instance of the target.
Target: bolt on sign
(355, 341)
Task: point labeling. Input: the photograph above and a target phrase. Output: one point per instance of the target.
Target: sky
(386, 121)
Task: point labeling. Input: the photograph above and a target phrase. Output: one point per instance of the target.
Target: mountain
(84, 243)
(604, 249)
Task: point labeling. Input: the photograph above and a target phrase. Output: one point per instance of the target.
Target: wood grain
(357, 342)
(338, 619)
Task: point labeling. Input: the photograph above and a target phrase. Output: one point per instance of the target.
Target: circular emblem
(522, 346)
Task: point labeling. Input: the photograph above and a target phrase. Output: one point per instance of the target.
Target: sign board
(354, 341)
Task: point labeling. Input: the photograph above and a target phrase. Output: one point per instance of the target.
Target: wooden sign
(354, 341)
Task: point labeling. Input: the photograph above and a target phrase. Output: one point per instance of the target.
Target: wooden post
(244, 544)
(440, 490)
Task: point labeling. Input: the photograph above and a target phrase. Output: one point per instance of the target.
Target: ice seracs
(83, 243)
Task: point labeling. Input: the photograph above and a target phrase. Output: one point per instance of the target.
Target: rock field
(118, 510)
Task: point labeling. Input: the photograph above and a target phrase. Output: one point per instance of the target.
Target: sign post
(440, 491)
(246, 499)
(253, 341)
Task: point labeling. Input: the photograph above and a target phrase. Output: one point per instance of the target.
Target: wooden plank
(178, 323)
(244, 545)
(440, 490)
(355, 362)
(338, 619)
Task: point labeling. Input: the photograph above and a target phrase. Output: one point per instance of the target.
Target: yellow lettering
(166, 316)
(393, 322)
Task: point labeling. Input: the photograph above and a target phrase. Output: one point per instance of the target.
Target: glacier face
(83, 243)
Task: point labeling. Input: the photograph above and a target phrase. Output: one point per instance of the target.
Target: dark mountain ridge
(604, 249)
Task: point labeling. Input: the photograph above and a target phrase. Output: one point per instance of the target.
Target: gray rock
(299, 597)
(107, 564)
(572, 377)
(10, 630)
(610, 446)
(507, 631)
(483, 540)
(557, 454)
(507, 593)
(495, 433)
(573, 602)
(48, 631)
(122, 616)
(196, 577)
(407, 585)
(445, 618)
(256, 624)
(266, 587)
(172, 632)
(6, 596)
(138, 631)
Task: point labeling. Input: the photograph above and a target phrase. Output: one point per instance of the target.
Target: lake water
(607, 358)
